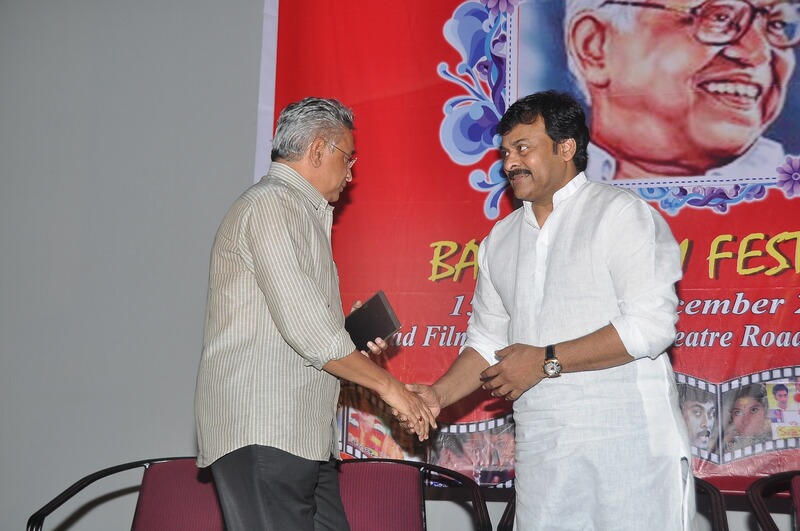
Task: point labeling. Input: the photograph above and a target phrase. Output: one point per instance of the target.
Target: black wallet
(375, 318)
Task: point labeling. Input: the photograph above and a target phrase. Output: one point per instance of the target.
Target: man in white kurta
(589, 270)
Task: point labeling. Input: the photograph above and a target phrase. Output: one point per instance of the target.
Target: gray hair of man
(300, 123)
(621, 17)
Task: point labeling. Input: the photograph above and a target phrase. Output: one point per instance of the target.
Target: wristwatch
(551, 366)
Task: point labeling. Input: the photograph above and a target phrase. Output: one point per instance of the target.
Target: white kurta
(595, 450)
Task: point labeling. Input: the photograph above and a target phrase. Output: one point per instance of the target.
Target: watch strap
(549, 352)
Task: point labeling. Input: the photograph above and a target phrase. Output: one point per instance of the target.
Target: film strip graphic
(712, 389)
(355, 399)
(488, 476)
(757, 387)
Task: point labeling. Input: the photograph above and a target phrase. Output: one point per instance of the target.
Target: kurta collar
(294, 180)
(559, 197)
(570, 188)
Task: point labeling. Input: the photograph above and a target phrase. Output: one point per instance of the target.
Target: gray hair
(621, 17)
(300, 123)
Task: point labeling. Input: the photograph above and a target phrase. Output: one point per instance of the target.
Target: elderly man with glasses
(681, 89)
(275, 344)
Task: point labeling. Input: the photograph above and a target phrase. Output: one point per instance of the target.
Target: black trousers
(266, 489)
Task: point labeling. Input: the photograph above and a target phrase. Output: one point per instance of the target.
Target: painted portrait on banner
(697, 98)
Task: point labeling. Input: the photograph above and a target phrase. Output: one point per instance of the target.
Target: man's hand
(461, 379)
(428, 396)
(411, 407)
(519, 369)
(376, 347)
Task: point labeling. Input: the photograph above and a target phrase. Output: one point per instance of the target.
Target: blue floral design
(720, 199)
(789, 177)
(493, 183)
(674, 198)
(469, 128)
(500, 6)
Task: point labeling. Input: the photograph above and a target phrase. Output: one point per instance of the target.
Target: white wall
(127, 128)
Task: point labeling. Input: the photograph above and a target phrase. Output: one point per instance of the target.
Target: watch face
(552, 368)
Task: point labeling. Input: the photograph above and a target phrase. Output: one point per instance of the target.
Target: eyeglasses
(350, 160)
(721, 22)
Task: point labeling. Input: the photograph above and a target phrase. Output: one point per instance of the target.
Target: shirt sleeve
(487, 331)
(294, 269)
(644, 262)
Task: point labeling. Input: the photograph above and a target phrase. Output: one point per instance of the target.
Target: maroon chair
(782, 484)
(506, 522)
(390, 494)
(795, 488)
(173, 494)
(717, 509)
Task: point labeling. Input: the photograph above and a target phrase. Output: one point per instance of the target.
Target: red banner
(429, 81)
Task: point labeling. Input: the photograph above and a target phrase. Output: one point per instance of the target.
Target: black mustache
(518, 171)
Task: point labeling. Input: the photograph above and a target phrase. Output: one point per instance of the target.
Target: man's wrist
(551, 365)
(440, 395)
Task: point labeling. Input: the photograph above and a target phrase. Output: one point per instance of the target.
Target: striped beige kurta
(274, 318)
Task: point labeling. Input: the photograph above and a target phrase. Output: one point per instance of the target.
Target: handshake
(416, 406)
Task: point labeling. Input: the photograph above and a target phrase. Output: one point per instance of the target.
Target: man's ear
(315, 152)
(567, 148)
(587, 44)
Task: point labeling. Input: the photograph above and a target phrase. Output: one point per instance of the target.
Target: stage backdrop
(428, 82)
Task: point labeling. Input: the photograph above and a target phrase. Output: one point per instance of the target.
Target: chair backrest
(173, 494)
(390, 494)
(717, 511)
(178, 496)
(506, 522)
(382, 495)
(781, 483)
